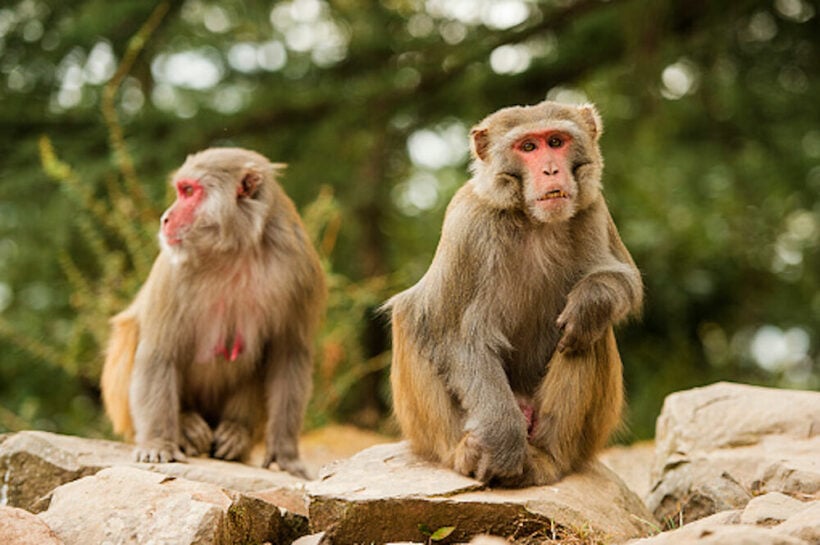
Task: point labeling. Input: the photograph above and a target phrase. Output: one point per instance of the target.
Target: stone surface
(718, 446)
(130, 505)
(32, 463)
(19, 527)
(385, 493)
(755, 525)
(771, 509)
(804, 525)
(721, 535)
(632, 464)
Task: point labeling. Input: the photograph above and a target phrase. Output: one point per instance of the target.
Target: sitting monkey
(505, 365)
(216, 347)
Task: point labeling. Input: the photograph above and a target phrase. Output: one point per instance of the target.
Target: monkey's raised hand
(585, 317)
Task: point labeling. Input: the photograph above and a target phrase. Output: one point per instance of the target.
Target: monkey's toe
(197, 436)
(231, 441)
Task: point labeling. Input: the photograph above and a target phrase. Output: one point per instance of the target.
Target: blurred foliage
(712, 145)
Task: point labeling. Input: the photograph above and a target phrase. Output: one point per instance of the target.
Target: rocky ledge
(731, 464)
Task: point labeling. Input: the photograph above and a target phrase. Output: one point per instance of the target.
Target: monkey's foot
(540, 469)
(232, 440)
(158, 451)
(197, 435)
(473, 459)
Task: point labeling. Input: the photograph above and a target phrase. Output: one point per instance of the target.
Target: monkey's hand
(491, 452)
(584, 319)
(294, 466)
(158, 451)
(231, 440)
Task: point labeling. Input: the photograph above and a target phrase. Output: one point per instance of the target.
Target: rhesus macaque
(216, 347)
(505, 366)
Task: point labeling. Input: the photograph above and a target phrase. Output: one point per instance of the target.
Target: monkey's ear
(479, 142)
(592, 120)
(248, 185)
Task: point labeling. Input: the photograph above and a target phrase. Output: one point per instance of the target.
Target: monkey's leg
(424, 408)
(154, 401)
(578, 405)
(233, 436)
(196, 435)
(287, 388)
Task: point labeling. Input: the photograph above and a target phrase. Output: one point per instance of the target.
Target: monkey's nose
(551, 170)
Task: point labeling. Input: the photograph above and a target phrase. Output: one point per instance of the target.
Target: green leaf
(442, 533)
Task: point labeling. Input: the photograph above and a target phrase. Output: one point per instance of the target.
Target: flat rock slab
(386, 494)
(129, 505)
(33, 463)
(19, 527)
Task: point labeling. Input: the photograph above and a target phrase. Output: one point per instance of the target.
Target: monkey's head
(224, 197)
(543, 160)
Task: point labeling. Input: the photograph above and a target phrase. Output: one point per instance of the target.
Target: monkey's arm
(288, 384)
(609, 291)
(453, 319)
(154, 399)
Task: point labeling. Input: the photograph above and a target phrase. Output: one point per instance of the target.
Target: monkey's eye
(186, 190)
(555, 142)
(528, 146)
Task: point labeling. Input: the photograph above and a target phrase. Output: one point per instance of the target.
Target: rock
(719, 445)
(632, 464)
(771, 509)
(752, 526)
(386, 494)
(130, 505)
(19, 527)
(804, 525)
(33, 463)
(721, 535)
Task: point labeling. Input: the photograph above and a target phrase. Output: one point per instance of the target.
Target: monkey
(215, 351)
(505, 366)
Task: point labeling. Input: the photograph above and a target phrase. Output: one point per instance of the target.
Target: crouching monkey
(505, 365)
(215, 349)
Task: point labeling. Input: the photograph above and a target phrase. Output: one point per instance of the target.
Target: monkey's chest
(228, 331)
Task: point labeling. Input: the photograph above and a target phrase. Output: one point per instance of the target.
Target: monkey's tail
(116, 373)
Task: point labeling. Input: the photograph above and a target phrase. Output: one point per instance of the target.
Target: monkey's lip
(553, 194)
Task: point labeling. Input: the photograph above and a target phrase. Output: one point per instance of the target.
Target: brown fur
(245, 275)
(517, 310)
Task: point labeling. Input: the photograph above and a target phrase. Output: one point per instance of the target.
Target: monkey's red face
(549, 186)
(179, 218)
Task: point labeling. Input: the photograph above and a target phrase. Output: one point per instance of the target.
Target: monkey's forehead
(226, 160)
(541, 114)
(234, 157)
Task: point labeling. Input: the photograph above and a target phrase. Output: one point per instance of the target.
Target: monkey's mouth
(553, 194)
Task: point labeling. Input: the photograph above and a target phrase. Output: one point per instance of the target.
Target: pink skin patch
(234, 352)
(530, 414)
(545, 155)
(180, 216)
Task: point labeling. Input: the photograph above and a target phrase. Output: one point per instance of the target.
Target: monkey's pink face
(551, 190)
(179, 218)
